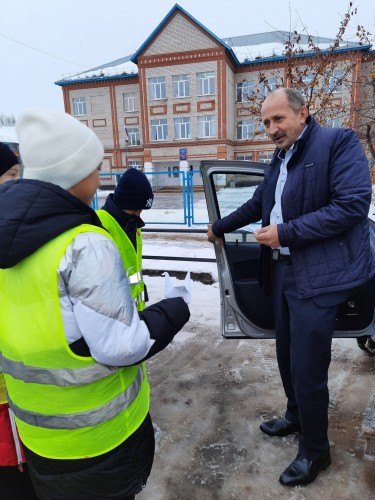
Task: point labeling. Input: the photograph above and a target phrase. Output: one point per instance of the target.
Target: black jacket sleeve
(164, 319)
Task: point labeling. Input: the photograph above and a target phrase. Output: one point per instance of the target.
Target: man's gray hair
(295, 99)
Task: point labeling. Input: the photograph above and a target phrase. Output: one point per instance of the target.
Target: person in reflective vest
(14, 475)
(72, 343)
(120, 215)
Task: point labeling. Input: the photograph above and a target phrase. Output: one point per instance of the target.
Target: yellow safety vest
(131, 258)
(66, 406)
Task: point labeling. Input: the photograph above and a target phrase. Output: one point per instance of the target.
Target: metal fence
(178, 197)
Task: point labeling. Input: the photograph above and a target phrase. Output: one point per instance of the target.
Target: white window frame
(244, 91)
(159, 130)
(337, 74)
(134, 137)
(181, 86)
(248, 157)
(245, 129)
(173, 171)
(206, 83)
(265, 89)
(158, 89)
(206, 126)
(79, 106)
(265, 157)
(262, 131)
(334, 122)
(135, 164)
(308, 89)
(182, 128)
(130, 102)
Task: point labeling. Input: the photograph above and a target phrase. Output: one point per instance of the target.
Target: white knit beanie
(56, 147)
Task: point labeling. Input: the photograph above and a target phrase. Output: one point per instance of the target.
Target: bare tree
(338, 85)
(7, 119)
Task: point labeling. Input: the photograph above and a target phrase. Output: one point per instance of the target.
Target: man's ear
(304, 113)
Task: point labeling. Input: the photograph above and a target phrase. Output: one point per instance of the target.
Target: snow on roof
(8, 134)
(246, 48)
(119, 67)
(272, 44)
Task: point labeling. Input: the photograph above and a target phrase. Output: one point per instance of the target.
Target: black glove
(164, 319)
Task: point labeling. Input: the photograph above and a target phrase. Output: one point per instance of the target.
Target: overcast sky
(43, 40)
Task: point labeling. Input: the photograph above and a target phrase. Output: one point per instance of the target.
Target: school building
(181, 97)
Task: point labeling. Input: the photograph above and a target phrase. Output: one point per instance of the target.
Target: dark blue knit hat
(7, 158)
(133, 191)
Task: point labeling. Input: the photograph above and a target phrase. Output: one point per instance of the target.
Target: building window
(157, 88)
(159, 130)
(334, 81)
(79, 106)
(206, 126)
(134, 136)
(265, 157)
(262, 134)
(245, 129)
(130, 102)
(181, 86)
(173, 171)
(308, 85)
(245, 157)
(244, 91)
(206, 83)
(334, 122)
(135, 164)
(182, 128)
(268, 86)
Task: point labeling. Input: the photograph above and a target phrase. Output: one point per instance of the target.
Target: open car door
(245, 310)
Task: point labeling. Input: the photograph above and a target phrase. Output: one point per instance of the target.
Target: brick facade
(180, 47)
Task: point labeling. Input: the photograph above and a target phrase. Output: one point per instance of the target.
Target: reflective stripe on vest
(61, 377)
(136, 278)
(131, 258)
(140, 300)
(66, 406)
(89, 418)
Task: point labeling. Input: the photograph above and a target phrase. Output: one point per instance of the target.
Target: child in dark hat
(9, 164)
(120, 215)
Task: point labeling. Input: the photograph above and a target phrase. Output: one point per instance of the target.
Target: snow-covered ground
(209, 396)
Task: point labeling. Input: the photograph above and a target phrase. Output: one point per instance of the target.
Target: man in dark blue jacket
(313, 203)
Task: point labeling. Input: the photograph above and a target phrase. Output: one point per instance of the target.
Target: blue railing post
(188, 197)
(185, 197)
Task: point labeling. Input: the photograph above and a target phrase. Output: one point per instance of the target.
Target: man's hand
(268, 236)
(211, 237)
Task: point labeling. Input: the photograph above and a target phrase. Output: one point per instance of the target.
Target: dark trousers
(304, 330)
(16, 485)
(116, 475)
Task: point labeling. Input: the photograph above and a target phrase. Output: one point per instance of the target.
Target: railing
(169, 257)
(179, 197)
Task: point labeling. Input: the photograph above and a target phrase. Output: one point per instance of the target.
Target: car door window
(232, 190)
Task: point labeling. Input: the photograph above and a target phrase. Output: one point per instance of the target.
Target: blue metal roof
(306, 54)
(227, 43)
(61, 83)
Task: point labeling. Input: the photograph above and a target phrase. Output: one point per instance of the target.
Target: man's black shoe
(303, 471)
(279, 427)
